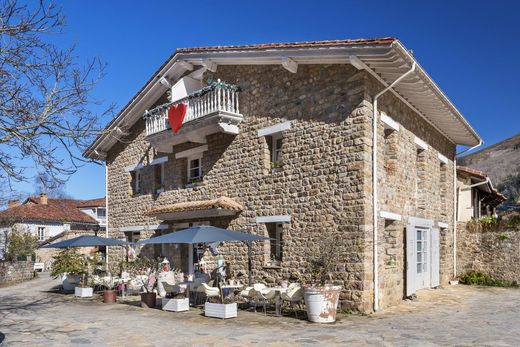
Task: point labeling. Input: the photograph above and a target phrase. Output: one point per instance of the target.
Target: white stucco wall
(465, 210)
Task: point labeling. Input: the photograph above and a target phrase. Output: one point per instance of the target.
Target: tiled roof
(482, 175)
(472, 172)
(326, 43)
(48, 213)
(92, 202)
(56, 210)
(222, 202)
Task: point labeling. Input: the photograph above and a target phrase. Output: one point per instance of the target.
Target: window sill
(193, 185)
(274, 266)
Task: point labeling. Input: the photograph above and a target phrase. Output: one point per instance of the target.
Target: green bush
(20, 243)
(483, 279)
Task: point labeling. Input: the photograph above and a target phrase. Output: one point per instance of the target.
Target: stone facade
(18, 271)
(494, 251)
(324, 184)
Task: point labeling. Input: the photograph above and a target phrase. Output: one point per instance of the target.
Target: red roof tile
(56, 210)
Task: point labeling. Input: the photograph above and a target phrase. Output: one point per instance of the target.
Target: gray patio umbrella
(203, 234)
(86, 241)
(207, 234)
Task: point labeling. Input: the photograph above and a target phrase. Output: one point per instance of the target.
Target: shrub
(483, 279)
(20, 242)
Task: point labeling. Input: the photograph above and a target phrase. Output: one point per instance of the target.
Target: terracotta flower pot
(322, 303)
(148, 300)
(109, 296)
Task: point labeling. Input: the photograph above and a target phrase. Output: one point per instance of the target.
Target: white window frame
(189, 167)
(137, 181)
(41, 236)
(275, 150)
(159, 190)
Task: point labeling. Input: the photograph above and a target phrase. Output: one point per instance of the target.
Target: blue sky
(470, 48)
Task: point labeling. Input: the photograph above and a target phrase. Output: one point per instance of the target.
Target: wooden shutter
(435, 271)
(411, 259)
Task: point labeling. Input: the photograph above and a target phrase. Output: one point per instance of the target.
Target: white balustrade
(214, 101)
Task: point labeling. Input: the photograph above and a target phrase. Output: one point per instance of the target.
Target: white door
(422, 258)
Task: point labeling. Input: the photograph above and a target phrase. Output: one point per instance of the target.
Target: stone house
(51, 220)
(278, 140)
(476, 196)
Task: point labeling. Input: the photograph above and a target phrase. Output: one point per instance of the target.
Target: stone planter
(175, 305)
(220, 310)
(83, 292)
(148, 300)
(109, 296)
(322, 303)
(69, 282)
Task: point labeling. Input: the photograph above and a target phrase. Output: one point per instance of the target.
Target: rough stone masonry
(324, 184)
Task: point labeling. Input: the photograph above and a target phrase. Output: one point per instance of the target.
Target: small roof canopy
(87, 241)
(219, 207)
(203, 234)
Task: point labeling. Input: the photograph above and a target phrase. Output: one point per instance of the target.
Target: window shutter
(435, 271)
(411, 260)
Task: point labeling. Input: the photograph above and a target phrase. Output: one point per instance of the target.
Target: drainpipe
(106, 212)
(456, 204)
(374, 183)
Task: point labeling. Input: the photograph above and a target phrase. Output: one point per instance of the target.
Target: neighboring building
(476, 196)
(52, 219)
(277, 140)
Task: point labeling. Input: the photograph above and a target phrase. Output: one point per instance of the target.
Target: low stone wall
(16, 271)
(494, 251)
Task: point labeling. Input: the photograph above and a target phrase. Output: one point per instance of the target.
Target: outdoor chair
(210, 292)
(260, 293)
(294, 296)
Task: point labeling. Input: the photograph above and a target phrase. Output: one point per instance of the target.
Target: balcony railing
(219, 97)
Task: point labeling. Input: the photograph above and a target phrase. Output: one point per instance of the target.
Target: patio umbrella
(203, 234)
(86, 241)
(207, 234)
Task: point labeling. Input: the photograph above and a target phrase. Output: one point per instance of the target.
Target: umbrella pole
(190, 260)
(249, 264)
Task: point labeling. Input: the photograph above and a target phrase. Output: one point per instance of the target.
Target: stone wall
(495, 252)
(320, 185)
(325, 182)
(11, 272)
(411, 183)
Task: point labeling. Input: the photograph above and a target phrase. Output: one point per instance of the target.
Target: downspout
(106, 211)
(374, 183)
(456, 204)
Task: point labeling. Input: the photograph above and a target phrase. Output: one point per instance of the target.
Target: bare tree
(45, 95)
(43, 183)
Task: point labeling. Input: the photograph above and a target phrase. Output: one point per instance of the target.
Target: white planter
(322, 303)
(69, 282)
(176, 305)
(220, 310)
(83, 292)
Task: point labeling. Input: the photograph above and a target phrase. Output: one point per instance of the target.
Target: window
(274, 231)
(101, 212)
(41, 233)
(158, 178)
(194, 169)
(422, 251)
(274, 143)
(136, 181)
(443, 189)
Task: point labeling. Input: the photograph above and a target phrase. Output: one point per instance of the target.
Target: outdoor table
(278, 300)
(232, 287)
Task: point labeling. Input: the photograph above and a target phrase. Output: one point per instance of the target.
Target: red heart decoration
(176, 115)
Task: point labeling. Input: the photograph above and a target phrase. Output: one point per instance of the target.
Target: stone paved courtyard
(30, 315)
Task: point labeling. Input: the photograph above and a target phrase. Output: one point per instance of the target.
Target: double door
(422, 258)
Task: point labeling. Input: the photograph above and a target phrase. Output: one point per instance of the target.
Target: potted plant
(109, 294)
(144, 272)
(320, 294)
(72, 267)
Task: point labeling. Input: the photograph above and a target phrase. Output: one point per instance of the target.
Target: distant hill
(501, 162)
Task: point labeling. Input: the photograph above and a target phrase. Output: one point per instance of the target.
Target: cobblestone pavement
(30, 315)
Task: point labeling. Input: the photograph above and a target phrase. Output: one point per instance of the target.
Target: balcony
(209, 110)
